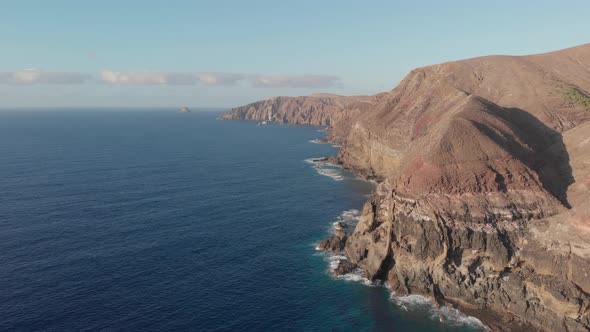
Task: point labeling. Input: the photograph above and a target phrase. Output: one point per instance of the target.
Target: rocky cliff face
(484, 171)
(514, 274)
(316, 110)
(485, 168)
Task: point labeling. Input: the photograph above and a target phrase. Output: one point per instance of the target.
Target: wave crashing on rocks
(445, 314)
(325, 168)
(338, 269)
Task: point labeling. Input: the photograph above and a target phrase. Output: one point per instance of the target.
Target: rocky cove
(483, 171)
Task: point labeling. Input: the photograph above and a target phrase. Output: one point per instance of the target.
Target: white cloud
(139, 78)
(217, 79)
(221, 78)
(301, 81)
(36, 76)
(146, 78)
(168, 78)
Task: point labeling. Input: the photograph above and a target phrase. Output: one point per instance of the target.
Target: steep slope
(476, 159)
(319, 109)
(537, 84)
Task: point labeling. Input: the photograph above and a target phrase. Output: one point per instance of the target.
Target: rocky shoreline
(483, 171)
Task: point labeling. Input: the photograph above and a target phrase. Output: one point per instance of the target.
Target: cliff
(316, 110)
(484, 169)
(485, 180)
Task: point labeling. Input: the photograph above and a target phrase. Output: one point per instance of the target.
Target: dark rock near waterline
(345, 267)
(333, 243)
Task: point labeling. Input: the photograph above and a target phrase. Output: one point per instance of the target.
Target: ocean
(155, 220)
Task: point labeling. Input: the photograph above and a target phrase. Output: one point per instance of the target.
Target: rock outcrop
(337, 241)
(483, 200)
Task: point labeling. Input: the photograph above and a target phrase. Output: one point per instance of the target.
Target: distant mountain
(318, 109)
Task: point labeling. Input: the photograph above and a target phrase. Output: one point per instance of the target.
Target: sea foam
(412, 303)
(445, 314)
(325, 168)
(347, 220)
(329, 172)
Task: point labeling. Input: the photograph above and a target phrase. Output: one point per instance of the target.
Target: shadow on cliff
(544, 150)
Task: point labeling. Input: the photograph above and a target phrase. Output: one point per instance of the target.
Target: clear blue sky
(226, 53)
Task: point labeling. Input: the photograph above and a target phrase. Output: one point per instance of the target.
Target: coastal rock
(333, 243)
(477, 266)
(484, 175)
(344, 267)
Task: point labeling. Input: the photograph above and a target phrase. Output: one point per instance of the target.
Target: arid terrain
(484, 175)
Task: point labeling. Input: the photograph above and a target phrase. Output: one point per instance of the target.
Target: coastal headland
(483, 171)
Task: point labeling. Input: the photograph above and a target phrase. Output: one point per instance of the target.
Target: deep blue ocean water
(160, 221)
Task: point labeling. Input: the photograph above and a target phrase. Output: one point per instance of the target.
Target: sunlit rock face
(484, 175)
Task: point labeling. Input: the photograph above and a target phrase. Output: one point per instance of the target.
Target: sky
(227, 53)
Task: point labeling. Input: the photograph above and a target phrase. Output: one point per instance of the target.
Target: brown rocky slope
(484, 171)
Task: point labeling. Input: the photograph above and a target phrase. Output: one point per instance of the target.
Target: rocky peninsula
(483, 200)
(314, 110)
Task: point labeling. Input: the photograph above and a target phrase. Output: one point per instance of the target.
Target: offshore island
(483, 171)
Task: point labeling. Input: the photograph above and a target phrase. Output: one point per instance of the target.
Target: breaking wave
(444, 314)
(325, 168)
(357, 275)
(314, 161)
(346, 221)
(329, 172)
(348, 218)
(451, 317)
(324, 141)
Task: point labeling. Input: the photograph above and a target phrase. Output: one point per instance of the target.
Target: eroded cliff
(484, 164)
(484, 170)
